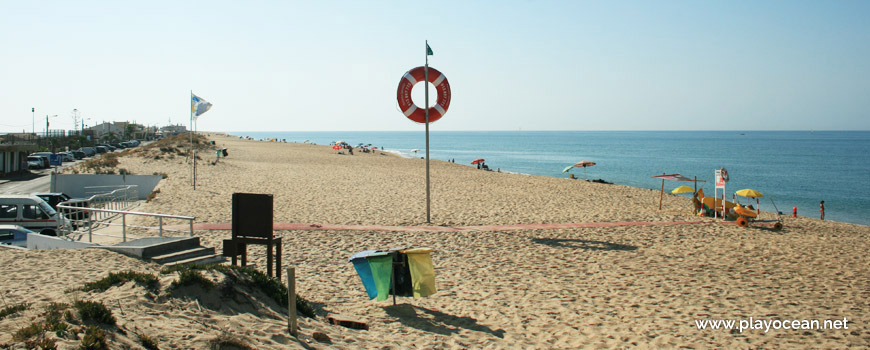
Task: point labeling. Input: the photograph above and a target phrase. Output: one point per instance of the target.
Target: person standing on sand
(822, 209)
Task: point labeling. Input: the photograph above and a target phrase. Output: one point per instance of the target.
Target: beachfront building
(173, 129)
(105, 129)
(13, 156)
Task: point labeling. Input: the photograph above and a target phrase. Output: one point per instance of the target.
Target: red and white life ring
(411, 78)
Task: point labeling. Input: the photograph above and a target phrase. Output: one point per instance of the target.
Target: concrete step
(182, 255)
(163, 248)
(205, 259)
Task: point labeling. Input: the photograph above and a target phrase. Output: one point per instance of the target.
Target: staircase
(169, 251)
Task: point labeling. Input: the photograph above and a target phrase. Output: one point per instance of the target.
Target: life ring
(406, 104)
(742, 222)
(724, 175)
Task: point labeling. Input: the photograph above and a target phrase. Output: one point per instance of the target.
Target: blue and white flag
(198, 106)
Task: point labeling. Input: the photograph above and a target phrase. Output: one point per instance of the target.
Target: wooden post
(291, 302)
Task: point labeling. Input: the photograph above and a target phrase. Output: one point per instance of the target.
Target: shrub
(28, 332)
(14, 309)
(188, 277)
(95, 311)
(226, 341)
(94, 339)
(113, 279)
(270, 286)
(148, 342)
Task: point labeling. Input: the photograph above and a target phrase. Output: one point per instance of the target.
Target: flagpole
(426, 82)
(193, 156)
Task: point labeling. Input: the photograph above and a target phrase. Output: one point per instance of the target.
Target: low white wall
(37, 241)
(74, 184)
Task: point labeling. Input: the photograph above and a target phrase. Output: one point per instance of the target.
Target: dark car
(89, 151)
(101, 149)
(78, 154)
(55, 198)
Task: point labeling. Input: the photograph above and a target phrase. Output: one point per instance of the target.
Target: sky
(511, 65)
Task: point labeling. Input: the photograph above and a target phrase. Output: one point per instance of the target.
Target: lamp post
(46, 129)
(33, 121)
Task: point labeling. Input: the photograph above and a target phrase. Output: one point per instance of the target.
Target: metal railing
(117, 198)
(86, 223)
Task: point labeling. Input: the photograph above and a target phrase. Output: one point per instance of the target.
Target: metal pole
(426, 82)
(191, 228)
(33, 121)
(90, 227)
(160, 222)
(291, 301)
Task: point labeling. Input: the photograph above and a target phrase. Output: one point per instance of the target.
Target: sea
(791, 168)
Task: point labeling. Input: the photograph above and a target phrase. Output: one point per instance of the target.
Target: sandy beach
(587, 287)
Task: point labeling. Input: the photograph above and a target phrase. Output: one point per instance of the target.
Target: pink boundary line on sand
(315, 227)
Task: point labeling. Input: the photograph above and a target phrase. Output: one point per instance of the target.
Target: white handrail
(66, 210)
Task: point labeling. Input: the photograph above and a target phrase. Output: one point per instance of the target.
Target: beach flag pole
(426, 82)
(193, 157)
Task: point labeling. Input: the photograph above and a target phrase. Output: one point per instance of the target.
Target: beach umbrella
(748, 192)
(683, 189)
(376, 147)
(336, 147)
(583, 164)
(673, 177)
(478, 160)
(415, 150)
(568, 168)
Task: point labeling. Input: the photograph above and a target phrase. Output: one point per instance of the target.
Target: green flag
(428, 50)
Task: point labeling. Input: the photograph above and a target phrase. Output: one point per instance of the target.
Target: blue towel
(361, 264)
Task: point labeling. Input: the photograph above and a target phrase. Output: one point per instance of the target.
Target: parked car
(14, 235)
(89, 151)
(67, 157)
(78, 154)
(55, 198)
(30, 212)
(46, 163)
(35, 162)
(101, 149)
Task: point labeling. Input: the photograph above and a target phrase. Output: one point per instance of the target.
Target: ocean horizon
(791, 168)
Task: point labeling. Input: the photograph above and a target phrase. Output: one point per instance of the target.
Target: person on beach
(822, 209)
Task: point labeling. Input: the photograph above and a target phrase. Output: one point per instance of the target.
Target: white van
(30, 212)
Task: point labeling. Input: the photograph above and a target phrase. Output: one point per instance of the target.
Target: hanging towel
(361, 264)
(422, 271)
(381, 264)
(402, 281)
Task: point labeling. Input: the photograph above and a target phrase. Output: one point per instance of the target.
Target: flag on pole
(428, 50)
(198, 106)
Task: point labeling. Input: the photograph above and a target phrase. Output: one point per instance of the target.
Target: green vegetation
(94, 339)
(148, 281)
(94, 311)
(227, 341)
(14, 309)
(148, 342)
(270, 286)
(189, 277)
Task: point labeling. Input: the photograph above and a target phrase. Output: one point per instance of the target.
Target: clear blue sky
(531, 65)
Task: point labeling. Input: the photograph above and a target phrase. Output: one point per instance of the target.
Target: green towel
(382, 267)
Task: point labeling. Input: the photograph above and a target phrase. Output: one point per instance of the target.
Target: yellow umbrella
(683, 189)
(752, 194)
(749, 193)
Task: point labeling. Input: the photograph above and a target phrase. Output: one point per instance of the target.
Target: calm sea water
(793, 168)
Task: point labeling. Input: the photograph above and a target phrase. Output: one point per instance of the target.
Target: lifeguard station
(252, 224)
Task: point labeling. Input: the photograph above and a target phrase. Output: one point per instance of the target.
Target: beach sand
(588, 287)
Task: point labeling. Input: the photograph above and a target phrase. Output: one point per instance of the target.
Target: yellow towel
(422, 271)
